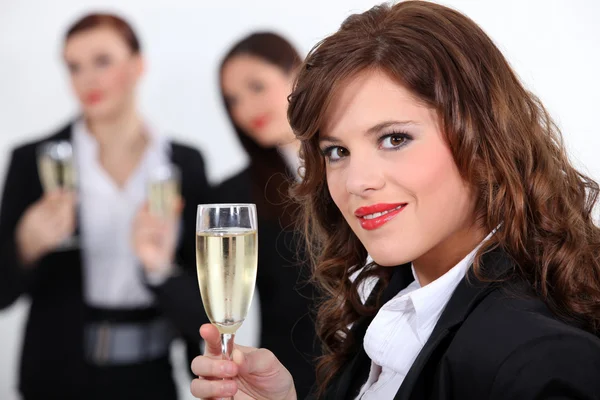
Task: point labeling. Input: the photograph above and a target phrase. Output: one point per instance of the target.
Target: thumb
(255, 362)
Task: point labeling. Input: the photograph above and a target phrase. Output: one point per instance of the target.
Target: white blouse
(401, 328)
(113, 275)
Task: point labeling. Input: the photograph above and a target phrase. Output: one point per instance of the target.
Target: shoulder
(27, 150)
(185, 153)
(191, 163)
(559, 363)
(236, 188)
(513, 342)
(512, 319)
(239, 178)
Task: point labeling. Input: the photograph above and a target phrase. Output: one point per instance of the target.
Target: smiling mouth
(373, 217)
(379, 214)
(260, 122)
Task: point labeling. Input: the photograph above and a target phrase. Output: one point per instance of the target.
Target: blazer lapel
(357, 372)
(468, 294)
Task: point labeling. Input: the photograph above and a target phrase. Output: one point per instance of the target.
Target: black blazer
(286, 298)
(493, 341)
(52, 360)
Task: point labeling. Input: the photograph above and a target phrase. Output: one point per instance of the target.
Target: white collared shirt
(401, 328)
(113, 275)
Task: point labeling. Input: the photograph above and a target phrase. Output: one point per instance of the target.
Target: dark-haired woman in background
(103, 314)
(256, 78)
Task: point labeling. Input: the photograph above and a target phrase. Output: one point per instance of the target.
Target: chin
(268, 138)
(389, 256)
(100, 111)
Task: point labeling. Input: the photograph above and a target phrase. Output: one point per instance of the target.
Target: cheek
(239, 117)
(78, 85)
(281, 97)
(117, 80)
(337, 189)
(440, 192)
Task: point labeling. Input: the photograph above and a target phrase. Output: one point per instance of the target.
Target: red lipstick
(375, 216)
(260, 122)
(93, 97)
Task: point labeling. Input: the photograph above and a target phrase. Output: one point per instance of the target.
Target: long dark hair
(503, 141)
(269, 173)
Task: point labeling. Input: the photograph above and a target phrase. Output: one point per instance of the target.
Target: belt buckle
(102, 347)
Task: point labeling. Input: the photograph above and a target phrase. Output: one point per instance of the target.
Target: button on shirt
(401, 328)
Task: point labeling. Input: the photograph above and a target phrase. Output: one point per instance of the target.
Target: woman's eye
(335, 153)
(103, 60)
(74, 68)
(257, 87)
(394, 140)
(230, 101)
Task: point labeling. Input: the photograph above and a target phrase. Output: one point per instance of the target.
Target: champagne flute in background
(227, 260)
(57, 171)
(163, 190)
(55, 165)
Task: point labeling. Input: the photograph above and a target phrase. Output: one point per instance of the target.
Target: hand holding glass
(226, 258)
(57, 172)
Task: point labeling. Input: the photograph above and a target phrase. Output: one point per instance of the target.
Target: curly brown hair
(503, 141)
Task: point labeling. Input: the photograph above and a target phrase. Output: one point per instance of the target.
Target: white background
(554, 45)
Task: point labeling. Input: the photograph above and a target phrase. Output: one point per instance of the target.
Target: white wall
(553, 44)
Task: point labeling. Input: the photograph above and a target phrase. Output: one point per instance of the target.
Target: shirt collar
(86, 142)
(430, 300)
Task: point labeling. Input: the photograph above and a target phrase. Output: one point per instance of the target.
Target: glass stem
(227, 345)
(227, 348)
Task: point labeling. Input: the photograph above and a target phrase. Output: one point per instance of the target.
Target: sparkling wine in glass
(56, 168)
(163, 190)
(226, 259)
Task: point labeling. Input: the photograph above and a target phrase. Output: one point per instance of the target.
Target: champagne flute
(56, 168)
(163, 190)
(227, 260)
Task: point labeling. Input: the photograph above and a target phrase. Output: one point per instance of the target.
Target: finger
(59, 205)
(179, 205)
(202, 388)
(206, 367)
(212, 340)
(152, 235)
(52, 195)
(254, 362)
(69, 197)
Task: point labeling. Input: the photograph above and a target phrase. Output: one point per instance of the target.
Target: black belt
(121, 337)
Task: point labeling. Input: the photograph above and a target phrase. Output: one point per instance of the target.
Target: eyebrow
(372, 130)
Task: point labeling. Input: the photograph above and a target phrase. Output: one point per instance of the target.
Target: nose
(364, 175)
(87, 78)
(245, 108)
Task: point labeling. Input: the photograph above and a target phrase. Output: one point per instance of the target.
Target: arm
(179, 295)
(14, 276)
(559, 367)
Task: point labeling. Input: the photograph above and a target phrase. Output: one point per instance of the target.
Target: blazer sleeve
(560, 367)
(179, 296)
(14, 277)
